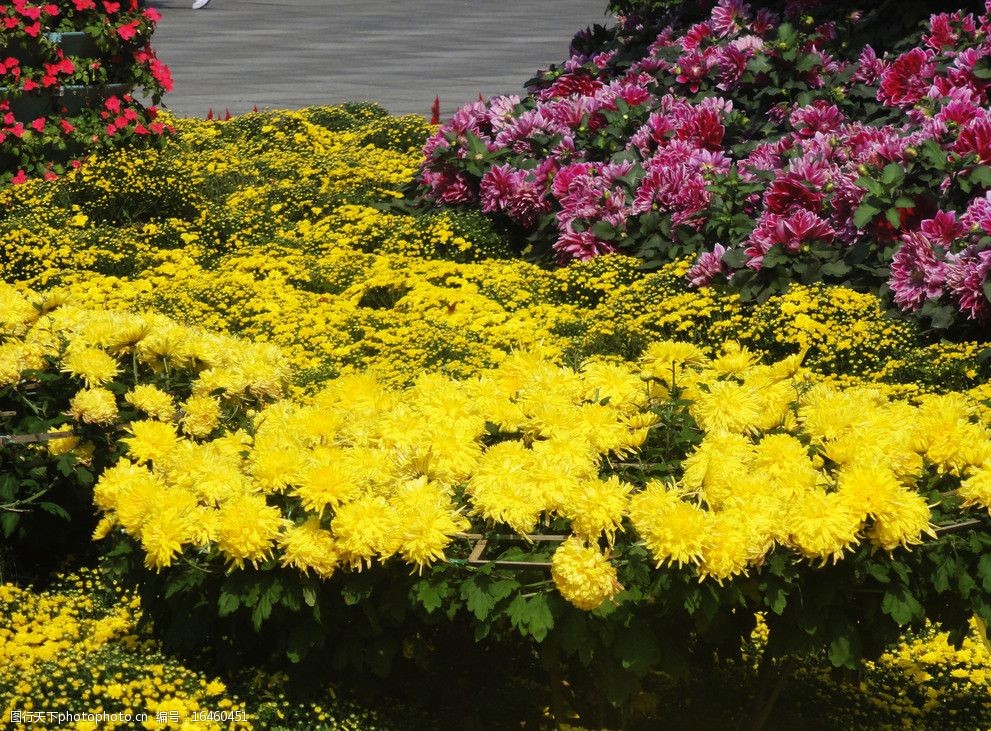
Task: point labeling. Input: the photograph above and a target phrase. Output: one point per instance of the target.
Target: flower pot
(34, 53)
(73, 99)
(75, 43)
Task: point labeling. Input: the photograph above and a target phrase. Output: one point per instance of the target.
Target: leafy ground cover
(312, 400)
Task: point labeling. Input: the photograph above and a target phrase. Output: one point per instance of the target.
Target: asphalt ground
(287, 54)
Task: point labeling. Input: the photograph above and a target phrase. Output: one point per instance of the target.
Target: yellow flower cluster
(377, 472)
(98, 347)
(269, 227)
(65, 651)
(923, 682)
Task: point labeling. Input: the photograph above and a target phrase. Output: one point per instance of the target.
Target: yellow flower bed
(68, 652)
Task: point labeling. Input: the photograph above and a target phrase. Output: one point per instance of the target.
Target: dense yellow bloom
(729, 545)
(725, 406)
(674, 531)
(327, 480)
(976, 489)
(428, 521)
(309, 547)
(901, 522)
(92, 365)
(583, 574)
(164, 531)
(365, 528)
(94, 406)
(152, 441)
(247, 529)
(596, 508)
(823, 525)
(200, 415)
(152, 400)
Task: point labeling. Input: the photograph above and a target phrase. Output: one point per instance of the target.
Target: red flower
(38, 125)
(128, 30)
(66, 127)
(907, 79)
(703, 129)
(20, 177)
(571, 84)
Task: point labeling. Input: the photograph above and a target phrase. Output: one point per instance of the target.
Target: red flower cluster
(608, 154)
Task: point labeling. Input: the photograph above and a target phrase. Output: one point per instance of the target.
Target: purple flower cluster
(599, 146)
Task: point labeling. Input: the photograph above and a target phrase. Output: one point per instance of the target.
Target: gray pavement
(235, 54)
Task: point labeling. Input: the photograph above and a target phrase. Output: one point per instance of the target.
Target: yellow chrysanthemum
(583, 574)
(502, 488)
(867, 487)
(903, 521)
(152, 400)
(200, 416)
(365, 528)
(596, 508)
(247, 529)
(665, 360)
(94, 406)
(427, 522)
(309, 547)
(164, 531)
(673, 531)
(90, 364)
(326, 480)
(729, 546)
(725, 406)
(976, 488)
(823, 525)
(152, 441)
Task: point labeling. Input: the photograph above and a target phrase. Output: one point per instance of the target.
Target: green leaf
(894, 217)
(840, 654)
(8, 523)
(981, 175)
(227, 604)
(735, 258)
(431, 596)
(55, 509)
(777, 599)
(864, 214)
(478, 601)
(604, 230)
(901, 606)
(262, 611)
(871, 185)
(892, 174)
(637, 650)
(835, 268)
(984, 571)
(531, 616)
(879, 572)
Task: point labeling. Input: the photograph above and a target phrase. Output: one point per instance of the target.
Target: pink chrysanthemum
(917, 274)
